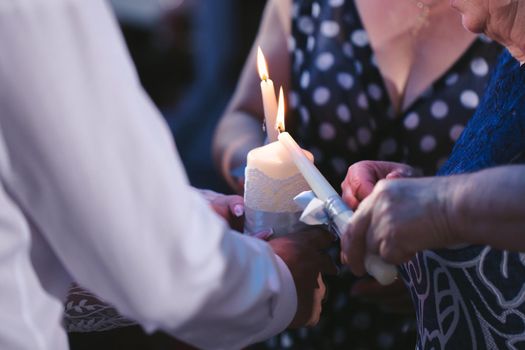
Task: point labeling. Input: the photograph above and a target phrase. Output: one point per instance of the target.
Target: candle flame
(279, 121)
(262, 66)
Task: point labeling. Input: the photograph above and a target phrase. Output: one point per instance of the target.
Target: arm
(240, 129)
(402, 217)
(88, 158)
(489, 202)
(85, 312)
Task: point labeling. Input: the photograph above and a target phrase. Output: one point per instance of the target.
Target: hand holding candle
(337, 210)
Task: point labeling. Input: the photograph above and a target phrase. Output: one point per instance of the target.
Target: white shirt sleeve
(92, 164)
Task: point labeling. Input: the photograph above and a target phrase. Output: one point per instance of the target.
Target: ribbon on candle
(269, 202)
(279, 223)
(315, 212)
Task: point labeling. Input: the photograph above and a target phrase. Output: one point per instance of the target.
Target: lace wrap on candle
(269, 202)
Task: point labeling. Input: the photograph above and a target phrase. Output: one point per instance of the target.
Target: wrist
(456, 208)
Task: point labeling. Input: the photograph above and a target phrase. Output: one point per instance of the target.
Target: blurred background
(188, 54)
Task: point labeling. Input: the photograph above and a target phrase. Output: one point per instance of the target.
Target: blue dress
(474, 297)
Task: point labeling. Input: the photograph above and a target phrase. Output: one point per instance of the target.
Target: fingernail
(264, 235)
(396, 174)
(238, 210)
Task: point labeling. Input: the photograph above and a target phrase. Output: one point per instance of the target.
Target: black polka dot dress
(341, 112)
(340, 106)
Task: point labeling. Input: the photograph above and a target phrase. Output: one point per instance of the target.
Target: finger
(348, 196)
(362, 179)
(236, 205)
(264, 235)
(396, 174)
(209, 195)
(354, 244)
(400, 173)
(391, 253)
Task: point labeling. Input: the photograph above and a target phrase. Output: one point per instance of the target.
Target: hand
(400, 218)
(230, 207)
(393, 298)
(303, 254)
(363, 176)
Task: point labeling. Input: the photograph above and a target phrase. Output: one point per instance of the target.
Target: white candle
(268, 97)
(384, 273)
(272, 181)
(313, 176)
(321, 187)
(273, 160)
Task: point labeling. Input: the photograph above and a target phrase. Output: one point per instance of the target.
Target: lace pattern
(85, 312)
(263, 193)
(269, 202)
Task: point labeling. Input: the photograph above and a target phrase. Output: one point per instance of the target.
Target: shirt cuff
(284, 306)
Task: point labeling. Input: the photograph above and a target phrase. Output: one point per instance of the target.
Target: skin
(404, 216)
(303, 253)
(502, 20)
(408, 64)
(229, 207)
(398, 218)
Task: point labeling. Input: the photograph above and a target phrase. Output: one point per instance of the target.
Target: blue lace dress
(474, 297)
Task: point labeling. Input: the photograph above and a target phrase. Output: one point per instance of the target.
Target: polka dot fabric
(341, 112)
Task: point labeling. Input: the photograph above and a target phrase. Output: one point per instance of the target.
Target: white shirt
(91, 187)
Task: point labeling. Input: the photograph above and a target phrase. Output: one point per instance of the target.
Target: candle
(272, 180)
(384, 273)
(321, 187)
(268, 97)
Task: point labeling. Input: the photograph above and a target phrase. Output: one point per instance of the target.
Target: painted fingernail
(238, 210)
(264, 235)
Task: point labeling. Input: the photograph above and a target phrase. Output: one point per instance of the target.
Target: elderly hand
(400, 218)
(230, 207)
(303, 253)
(363, 176)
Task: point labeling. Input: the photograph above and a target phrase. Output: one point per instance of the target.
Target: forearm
(240, 129)
(237, 134)
(486, 207)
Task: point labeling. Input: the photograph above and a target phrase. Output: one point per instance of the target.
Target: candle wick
(264, 77)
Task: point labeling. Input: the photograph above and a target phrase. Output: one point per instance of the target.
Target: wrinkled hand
(230, 207)
(400, 218)
(363, 176)
(303, 254)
